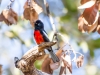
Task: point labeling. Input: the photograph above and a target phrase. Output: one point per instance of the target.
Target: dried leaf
(45, 65)
(14, 15)
(36, 7)
(99, 5)
(98, 27)
(10, 17)
(91, 14)
(59, 54)
(27, 13)
(84, 1)
(56, 65)
(81, 24)
(67, 62)
(33, 16)
(1, 17)
(26, 5)
(41, 3)
(79, 61)
(62, 69)
(90, 28)
(88, 4)
(5, 20)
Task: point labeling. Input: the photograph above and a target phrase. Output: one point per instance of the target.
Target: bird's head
(38, 24)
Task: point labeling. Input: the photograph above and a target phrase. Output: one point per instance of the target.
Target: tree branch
(26, 63)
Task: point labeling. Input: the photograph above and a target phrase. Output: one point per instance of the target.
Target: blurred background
(15, 40)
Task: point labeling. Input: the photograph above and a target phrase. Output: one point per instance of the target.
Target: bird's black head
(39, 25)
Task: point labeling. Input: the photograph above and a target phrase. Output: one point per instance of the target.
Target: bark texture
(26, 63)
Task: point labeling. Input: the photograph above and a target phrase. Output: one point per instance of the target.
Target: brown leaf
(81, 24)
(87, 4)
(10, 17)
(46, 65)
(14, 15)
(59, 54)
(90, 14)
(62, 69)
(67, 62)
(90, 28)
(1, 17)
(27, 13)
(98, 27)
(33, 16)
(84, 1)
(99, 5)
(79, 61)
(5, 20)
(56, 65)
(26, 5)
(36, 7)
(41, 3)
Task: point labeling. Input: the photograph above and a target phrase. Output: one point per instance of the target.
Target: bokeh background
(15, 40)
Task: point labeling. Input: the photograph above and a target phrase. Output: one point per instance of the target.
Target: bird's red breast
(38, 37)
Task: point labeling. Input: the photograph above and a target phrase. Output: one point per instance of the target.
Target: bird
(40, 36)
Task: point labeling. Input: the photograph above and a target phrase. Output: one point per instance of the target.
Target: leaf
(62, 69)
(56, 65)
(45, 65)
(13, 17)
(67, 62)
(33, 16)
(26, 5)
(10, 17)
(99, 5)
(84, 1)
(36, 7)
(87, 4)
(90, 28)
(27, 13)
(81, 24)
(42, 4)
(91, 14)
(79, 61)
(98, 27)
(5, 20)
(48, 65)
(1, 17)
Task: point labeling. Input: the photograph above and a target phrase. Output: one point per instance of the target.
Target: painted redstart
(40, 36)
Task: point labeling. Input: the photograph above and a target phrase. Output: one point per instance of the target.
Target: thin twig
(10, 4)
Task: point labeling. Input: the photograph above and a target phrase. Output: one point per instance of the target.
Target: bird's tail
(53, 55)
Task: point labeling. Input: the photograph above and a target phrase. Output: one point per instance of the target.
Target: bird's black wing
(45, 37)
(53, 55)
